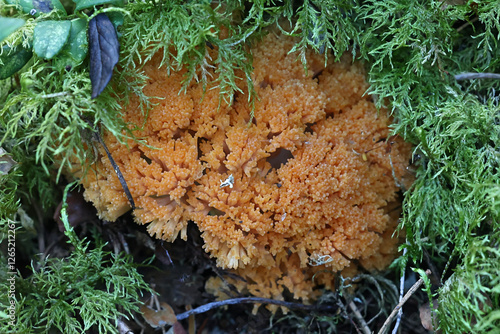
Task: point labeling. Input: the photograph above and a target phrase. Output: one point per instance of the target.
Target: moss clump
(412, 49)
(90, 289)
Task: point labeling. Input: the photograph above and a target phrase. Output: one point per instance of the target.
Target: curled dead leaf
(6, 162)
(426, 315)
(163, 317)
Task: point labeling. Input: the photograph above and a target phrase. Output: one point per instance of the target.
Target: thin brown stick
(401, 290)
(123, 328)
(117, 170)
(401, 303)
(470, 76)
(359, 318)
(466, 24)
(49, 96)
(246, 300)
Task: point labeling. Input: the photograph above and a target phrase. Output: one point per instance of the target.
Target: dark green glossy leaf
(26, 5)
(40, 6)
(104, 52)
(76, 48)
(8, 25)
(82, 4)
(49, 37)
(13, 61)
(78, 43)
(116, 18)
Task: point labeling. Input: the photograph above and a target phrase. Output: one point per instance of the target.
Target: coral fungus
(303, 187)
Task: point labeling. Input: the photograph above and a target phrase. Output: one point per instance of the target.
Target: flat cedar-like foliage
(413, 51)
(63, 289)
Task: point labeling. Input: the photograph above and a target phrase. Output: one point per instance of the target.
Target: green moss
(90, 289)
(469, 301)
(412, 51)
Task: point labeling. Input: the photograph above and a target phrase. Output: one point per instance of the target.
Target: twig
(191, 321)
(463, 26)
(359, 317)
(401, 303)
(117, 171)
(401, 290)
(246, 300)
(470, 76)
(244, 37)
(123, 328)
(49, 96)
(398, 183)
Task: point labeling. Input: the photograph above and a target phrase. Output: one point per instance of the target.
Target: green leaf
(82, 4)
(77, 43)
(76, 48)
(116, 18)
(27, 5)
(49, 37)
(13, 61)
(8, 25)
(41, 6)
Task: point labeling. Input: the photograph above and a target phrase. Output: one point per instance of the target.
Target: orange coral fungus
(303, 188)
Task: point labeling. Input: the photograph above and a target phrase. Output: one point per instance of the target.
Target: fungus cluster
(307, 186)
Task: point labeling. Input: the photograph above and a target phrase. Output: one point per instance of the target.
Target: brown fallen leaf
(176, 329)
(6, 162)
(161, 318)
(426, 315)
(78, 210)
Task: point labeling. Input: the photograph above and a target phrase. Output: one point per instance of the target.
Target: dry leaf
(176, 329)
(6, 162)
(426, 315)
(164, 316)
